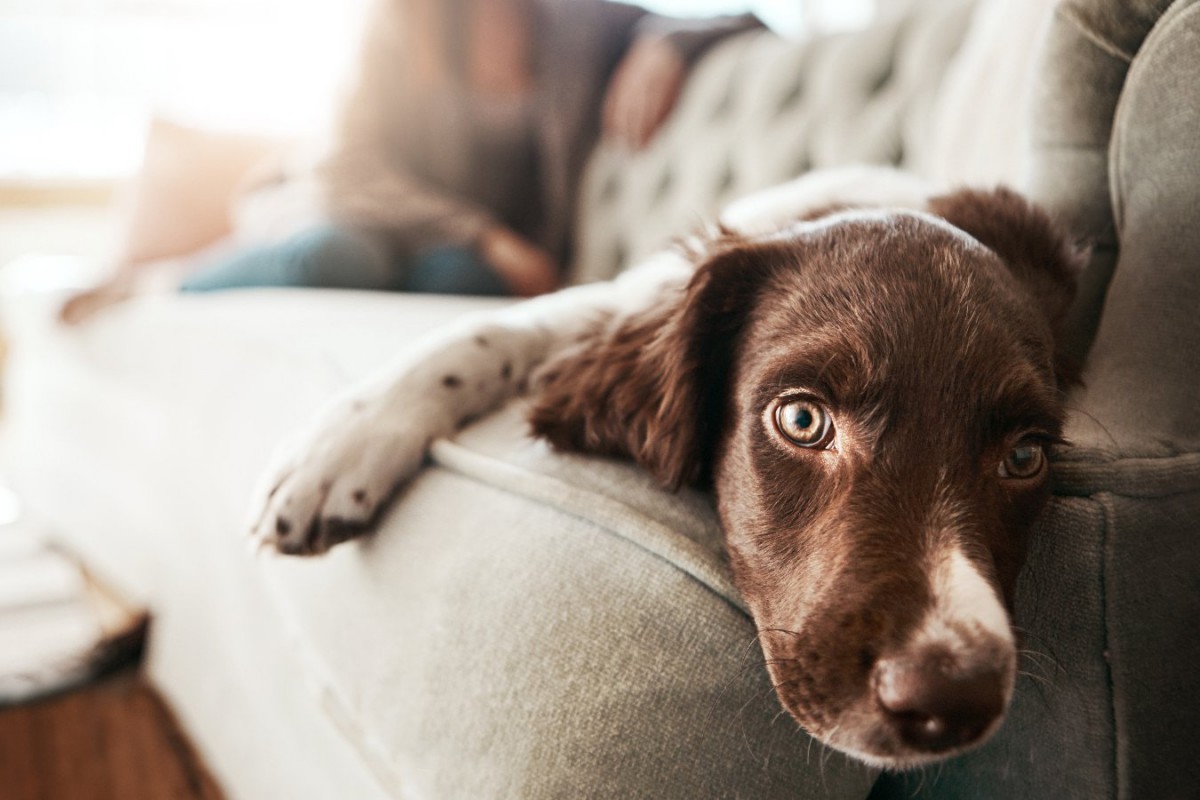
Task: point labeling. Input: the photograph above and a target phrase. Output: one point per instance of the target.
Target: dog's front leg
(330, 482)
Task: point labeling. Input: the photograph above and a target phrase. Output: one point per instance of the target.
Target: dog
(870, 389)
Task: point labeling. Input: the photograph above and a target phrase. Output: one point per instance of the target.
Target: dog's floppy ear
(1040, 253)
(652, 387)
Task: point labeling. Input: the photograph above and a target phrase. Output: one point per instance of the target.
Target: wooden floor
(114, 740)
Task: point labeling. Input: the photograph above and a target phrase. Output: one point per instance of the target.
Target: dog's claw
(326, 492)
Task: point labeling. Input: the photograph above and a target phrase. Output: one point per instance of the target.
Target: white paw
(330, 483)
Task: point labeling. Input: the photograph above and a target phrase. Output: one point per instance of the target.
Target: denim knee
(327, 256)
(453, 270)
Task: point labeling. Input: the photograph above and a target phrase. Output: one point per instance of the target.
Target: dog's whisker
(774, 661)
(1046, 682)
(1035, 654)
(777, 630)
(1074, 409)
(755, 698)
(1037, 676)
(762, 631)
(1045, 647)
(914, 776)
(755, 642)
(827, 751)
(1035, 659)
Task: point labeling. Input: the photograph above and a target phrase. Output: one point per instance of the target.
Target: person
(454, 164)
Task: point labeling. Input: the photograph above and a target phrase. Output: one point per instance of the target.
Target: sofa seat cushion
(192, 393)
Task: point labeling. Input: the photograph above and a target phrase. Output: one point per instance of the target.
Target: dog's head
(872, 395)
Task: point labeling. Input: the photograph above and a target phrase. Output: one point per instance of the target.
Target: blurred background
(83, 83)
(79, 79)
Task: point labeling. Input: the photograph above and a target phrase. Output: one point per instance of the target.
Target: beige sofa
(526, 624)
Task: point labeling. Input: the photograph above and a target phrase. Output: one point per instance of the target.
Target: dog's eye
(804, 422)
(1025, 460)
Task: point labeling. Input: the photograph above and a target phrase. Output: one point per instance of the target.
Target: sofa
(536, 625)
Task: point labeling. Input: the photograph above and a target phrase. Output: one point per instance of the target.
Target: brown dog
(871, 395)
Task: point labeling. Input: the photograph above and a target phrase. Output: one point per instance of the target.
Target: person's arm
(363, 192)
(365, 185)
(647, 82)
(363, 180)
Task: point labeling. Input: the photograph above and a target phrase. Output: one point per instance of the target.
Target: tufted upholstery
(759, 110)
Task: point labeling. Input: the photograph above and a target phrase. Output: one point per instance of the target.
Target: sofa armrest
(1141, 403)
(1134, 422)
(1142, 372)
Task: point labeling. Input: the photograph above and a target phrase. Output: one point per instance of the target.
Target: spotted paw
(331, 482)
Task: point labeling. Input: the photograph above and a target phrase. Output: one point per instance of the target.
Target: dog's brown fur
(934, 354)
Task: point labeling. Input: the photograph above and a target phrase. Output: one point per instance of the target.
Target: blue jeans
(333, 257)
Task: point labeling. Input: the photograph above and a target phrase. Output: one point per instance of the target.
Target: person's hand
(525, 267)
(81, 306)
(643, 90)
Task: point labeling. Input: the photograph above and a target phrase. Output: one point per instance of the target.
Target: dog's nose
(936, 706)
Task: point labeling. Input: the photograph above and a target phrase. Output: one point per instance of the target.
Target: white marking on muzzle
(966, 608)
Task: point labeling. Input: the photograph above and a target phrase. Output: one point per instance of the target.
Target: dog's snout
(935, 706)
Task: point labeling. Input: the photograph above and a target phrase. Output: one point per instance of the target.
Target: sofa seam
(1105, 500)
(1086, 479)
(454, 464)
(1086, 454)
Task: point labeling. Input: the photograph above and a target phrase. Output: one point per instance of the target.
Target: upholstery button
(608, 192)
(790, 98)
(725, 183)
(882, 80)
(665, 182)
(619, 253)
(725, 107)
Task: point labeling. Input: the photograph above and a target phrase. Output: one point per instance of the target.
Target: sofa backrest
(759, 110)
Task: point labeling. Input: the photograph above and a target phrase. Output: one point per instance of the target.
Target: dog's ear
(653, 386)
(1038, 251)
